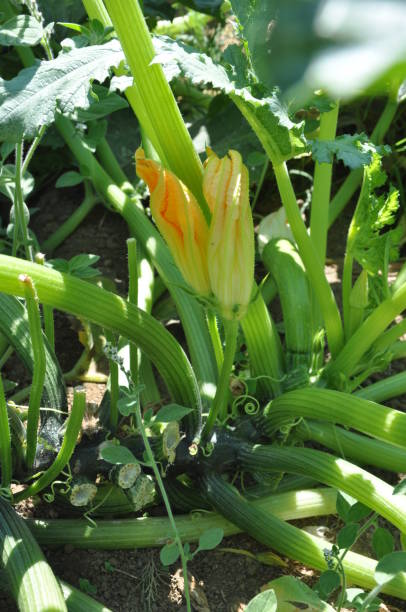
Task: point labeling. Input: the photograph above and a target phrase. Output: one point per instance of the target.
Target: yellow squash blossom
(180, 221)
(218, 260)
(231, 247)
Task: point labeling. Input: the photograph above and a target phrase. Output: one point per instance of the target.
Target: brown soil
(135, 580)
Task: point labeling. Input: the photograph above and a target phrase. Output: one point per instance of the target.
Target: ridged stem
(354, 349)
(336, 407)
(288, 540)
(322, 186)
(39, 369)
(352, 446)
(30, 578)
(153, 531)
(111, 312)
(264, 347)
(332, 471)
(389, 337)
(384, 389)
(312, 263)
(5, 441)
(283, 261)
(70, 438)
(77, 601)
(156, 95)
(96, 10)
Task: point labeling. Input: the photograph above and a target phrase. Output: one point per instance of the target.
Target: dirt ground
(127, 581)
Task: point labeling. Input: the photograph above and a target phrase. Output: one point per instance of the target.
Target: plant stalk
(39, 369)
(218, 408)
(322, 187)
(70, 438)
(312, 263)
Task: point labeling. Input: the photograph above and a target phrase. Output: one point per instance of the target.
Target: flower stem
(215, 338)
(219, 405)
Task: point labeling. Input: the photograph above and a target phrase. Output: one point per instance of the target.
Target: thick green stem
(322, 187)
(349, 357)
(38, 376)
(330, 470)
(109, 162)
(70, 438)
(352, 446)
(353, 180)
(153, 531)
(264, 346)
(96, 10)
(384, 389)
(387, 339)
(30, 578)
(5, 441)
(72, 223)
(346, 291)
(336, 407)
(108, 310)
(312, 263)
(283, 261)
(156, 95)
(220, 401)
(266, 527)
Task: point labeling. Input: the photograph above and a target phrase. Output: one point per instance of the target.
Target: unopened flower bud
(231, 247)
(179, 219)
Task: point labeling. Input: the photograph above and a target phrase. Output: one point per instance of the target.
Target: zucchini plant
(306, 383)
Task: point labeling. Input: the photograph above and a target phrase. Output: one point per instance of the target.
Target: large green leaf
(32, 98)
(354, 150)
(265, 112)
(343, 46)
(21, 31)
